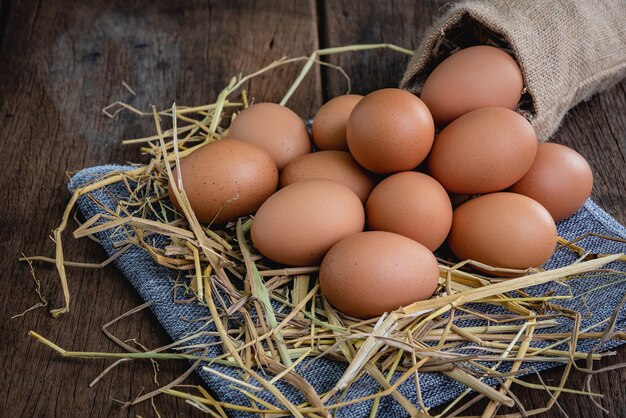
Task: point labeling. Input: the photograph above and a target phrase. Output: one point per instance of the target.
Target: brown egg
(411, 204)
(560, 179)
(370, 273)
(390, 130)
(329, 124)
(275, 128)
(505, 230)
(226, 179)
(470, 79)
(484, 151)
(332, 165)
(298, 224)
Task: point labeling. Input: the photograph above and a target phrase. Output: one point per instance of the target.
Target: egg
(506, 230)
(226, 179)
(367, 274)
(559, 178)
(470, 79)
(299, 223)
(486, 150)
(411, 204)
(275, 128)
(332, 165)
(329, 124)
(390, 130)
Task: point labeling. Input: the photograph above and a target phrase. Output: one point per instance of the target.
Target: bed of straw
(219, 262)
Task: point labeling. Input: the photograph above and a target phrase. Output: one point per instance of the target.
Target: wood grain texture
(347, 22)
(62, 61)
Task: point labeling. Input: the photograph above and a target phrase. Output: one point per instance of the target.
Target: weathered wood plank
(364, 22)
(61, 62)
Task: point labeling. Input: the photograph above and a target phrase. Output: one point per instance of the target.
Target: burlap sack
(567, 49)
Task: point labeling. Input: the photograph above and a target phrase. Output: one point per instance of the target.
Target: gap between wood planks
(5, 8)
(322, 29)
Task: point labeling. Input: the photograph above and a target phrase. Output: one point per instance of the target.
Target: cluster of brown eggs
(378, 164)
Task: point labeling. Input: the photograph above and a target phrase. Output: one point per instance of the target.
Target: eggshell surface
(298, 224)
(483, 151)
(331, 165)
(329, 124)
(505, 230)
(226, 179)
(559, 178)
(390, 130)
(367, 274)
(411, 204)
(470, 79)
(275, 128)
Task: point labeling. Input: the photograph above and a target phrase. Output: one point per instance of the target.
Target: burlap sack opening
(567, 51)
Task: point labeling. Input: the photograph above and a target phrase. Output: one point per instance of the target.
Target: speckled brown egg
(329, 124)
(470, 79)
(226, 179)
(505, 230)
(367, 274)
(560, 179)
(411, 204)
(275, 128)
(483, 151)
(332, 165)
(299, 223)
(390, 130)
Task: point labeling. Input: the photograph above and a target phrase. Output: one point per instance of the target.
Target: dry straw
(418, 338)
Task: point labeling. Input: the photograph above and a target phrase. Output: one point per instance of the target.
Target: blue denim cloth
(154, 283)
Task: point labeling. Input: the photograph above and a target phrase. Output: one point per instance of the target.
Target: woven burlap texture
(567, 50)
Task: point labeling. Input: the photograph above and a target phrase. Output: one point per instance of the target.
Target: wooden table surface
(61, 61)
